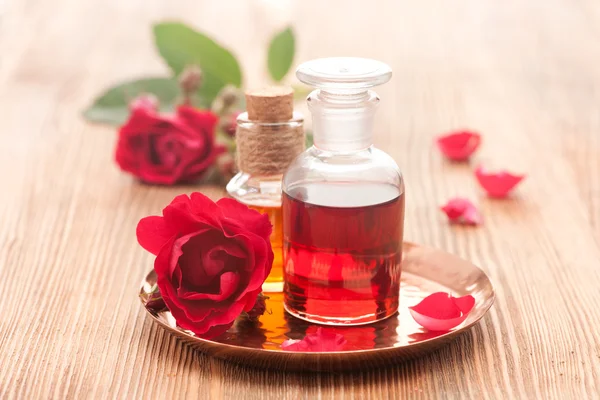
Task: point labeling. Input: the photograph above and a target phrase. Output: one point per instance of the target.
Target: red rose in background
(167, 149)
(211, 260)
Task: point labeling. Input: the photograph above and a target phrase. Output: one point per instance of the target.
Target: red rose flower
(211, 260)
(167, 149)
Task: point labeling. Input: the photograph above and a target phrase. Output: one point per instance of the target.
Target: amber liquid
(342, 251)
(274, 282)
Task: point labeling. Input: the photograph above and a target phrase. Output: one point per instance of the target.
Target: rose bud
(227, 99)
(190, 79)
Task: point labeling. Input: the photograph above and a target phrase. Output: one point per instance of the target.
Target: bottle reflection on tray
(359, 337)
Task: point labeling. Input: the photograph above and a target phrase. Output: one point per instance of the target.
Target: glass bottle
(343, 203)
(258, 184)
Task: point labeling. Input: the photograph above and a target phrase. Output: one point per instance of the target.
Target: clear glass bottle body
(263, 194)
(343, 216)
(342, 243)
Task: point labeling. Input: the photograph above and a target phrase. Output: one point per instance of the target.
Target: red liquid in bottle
(342, 251)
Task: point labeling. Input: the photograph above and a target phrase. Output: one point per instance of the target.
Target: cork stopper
(268, 136)
(271, 104)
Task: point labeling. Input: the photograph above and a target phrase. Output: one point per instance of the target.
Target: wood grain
(525, 74)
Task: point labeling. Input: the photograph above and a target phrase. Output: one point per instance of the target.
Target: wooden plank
(522, 73)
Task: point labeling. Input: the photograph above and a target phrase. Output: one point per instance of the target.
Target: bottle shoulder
(369, 165)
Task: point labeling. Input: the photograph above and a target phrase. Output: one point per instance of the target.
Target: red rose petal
(471, 216)
(152, 233)
(261, 258)
(497, 184)
(215, 331)
(190, 214)
(242, 214)
(200, 319)
(465, 303)
(239, 214)
(203, 122)
(459, 146)
(229, 283)
(187, 257)
(322, 340)
(463, 211)
(199, 119)
(204, 209)
(442, 312)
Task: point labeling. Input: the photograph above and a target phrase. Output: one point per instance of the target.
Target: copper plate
(424, 271)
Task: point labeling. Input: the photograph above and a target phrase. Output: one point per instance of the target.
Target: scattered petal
(459, 146)
(442, 312)
(497, 184)
(462, 211)
(322, 340)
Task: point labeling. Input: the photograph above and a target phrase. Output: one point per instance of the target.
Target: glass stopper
(344, 73)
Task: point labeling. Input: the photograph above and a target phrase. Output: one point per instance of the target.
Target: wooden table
(525, 74)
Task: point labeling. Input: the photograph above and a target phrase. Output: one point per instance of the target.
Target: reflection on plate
(424, 271)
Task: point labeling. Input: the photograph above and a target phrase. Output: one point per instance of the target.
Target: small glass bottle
(343, 203)
(268, 137)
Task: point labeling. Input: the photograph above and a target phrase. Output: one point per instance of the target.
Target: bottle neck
(343, 121)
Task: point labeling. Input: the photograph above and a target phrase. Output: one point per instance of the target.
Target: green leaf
(211, 86)
(180, 46)
(308, 137)
(112, 105)
(281, 54)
